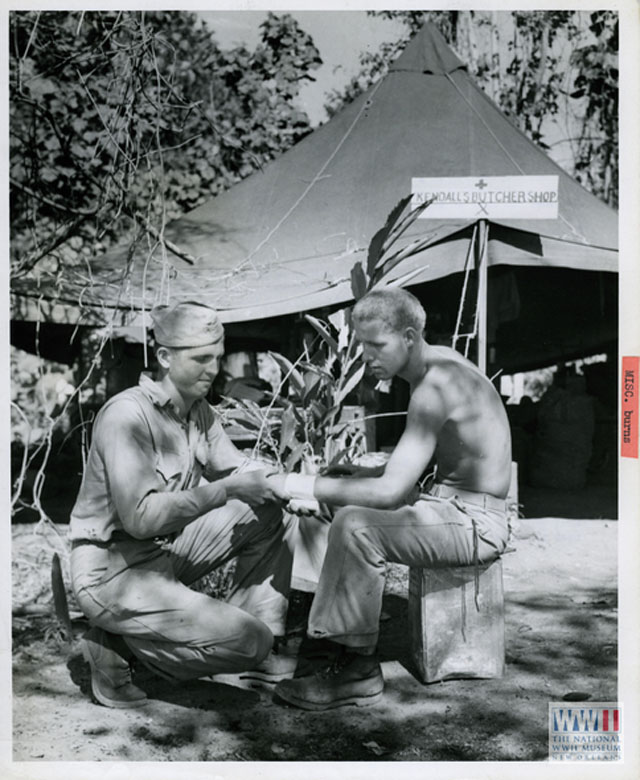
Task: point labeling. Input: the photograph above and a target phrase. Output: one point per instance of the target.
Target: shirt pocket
(171, 467)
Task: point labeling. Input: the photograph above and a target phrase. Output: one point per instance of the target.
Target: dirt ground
(561, 619)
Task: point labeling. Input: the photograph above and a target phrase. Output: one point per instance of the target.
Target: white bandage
(300, 486)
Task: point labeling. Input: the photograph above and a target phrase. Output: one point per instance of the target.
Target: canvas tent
(284, 239)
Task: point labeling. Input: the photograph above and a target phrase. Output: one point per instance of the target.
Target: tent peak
(428, 52)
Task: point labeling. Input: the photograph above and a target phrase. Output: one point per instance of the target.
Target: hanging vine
(120, 122)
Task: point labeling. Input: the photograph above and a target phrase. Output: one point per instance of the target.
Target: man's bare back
(473, 450)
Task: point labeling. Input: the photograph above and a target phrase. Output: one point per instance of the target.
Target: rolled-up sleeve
(140, 499)
(223, 457)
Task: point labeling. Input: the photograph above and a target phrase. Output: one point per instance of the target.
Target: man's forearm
(160, 513)
(374, 492)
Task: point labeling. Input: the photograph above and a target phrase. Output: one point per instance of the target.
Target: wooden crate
(450, 638)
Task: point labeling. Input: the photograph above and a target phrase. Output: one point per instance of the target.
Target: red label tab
(629, 407)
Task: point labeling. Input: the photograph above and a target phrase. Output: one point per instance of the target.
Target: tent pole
(482, 248)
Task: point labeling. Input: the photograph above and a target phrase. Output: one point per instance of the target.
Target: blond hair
(396, 307)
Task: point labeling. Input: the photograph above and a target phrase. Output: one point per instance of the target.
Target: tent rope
(463, 295)
(365, 106)
(482, 245)
(508, 154)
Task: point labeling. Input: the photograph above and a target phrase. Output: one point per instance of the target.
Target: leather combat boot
(349, 678)
(110, 671)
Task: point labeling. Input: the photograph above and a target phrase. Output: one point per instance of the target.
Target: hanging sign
(487, 197)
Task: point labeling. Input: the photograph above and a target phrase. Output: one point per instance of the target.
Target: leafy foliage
(121, 119)
(310, 430)
(533, 89)
(38, 393)
(119, 122)
(313, 431)
(596, 86)
(305, 426)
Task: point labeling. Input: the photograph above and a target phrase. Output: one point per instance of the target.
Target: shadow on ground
(561, 633)
(555, 646)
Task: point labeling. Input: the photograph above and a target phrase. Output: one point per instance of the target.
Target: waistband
(484, 500)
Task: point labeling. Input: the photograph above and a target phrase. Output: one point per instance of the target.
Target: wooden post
(481, 264)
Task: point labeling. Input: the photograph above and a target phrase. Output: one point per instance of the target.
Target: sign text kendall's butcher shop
(484, 197)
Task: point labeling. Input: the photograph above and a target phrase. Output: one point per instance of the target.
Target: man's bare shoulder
(445, 365)
(450, 381)
(430, 396)
(448, 358)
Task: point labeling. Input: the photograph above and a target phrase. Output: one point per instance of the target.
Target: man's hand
(254, 488)
(303, 507)
(276, 482)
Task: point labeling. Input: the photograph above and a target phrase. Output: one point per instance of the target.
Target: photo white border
(629, 482)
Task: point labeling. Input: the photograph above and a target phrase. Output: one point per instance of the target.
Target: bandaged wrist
(300, 486)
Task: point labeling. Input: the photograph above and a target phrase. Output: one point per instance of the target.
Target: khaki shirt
(145, 465)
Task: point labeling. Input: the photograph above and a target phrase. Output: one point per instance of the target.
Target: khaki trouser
(430, 533)
(139, 589)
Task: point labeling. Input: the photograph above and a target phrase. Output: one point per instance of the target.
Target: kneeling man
(454, 414)
(165, 499)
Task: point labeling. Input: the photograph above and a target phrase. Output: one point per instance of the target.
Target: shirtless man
(456, 417)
